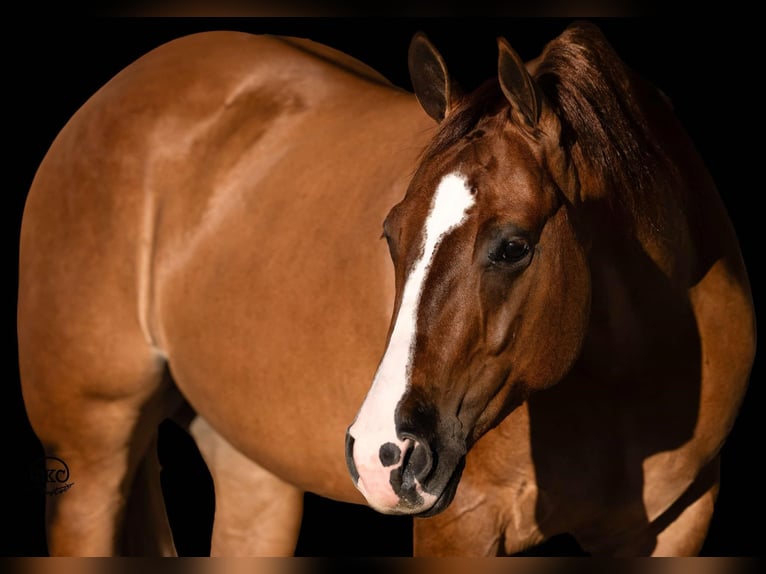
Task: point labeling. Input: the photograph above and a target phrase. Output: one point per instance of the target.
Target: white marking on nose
(375, 425)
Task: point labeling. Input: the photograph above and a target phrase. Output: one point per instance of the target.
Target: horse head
(492, 283)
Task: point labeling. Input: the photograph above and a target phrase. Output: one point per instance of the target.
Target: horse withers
(572, 327)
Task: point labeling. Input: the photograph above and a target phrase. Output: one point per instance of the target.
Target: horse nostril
(389, 454)
(417, 464)
(420, 460)
(350, 458)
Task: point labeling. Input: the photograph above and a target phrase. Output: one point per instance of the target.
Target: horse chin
(447, 494)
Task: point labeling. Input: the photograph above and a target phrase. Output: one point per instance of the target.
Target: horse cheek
(556, 318)
(566, 328)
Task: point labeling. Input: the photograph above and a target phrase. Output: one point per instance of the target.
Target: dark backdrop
(706, 69)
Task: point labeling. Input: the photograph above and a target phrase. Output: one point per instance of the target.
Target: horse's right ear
(517, 85)
(431, 83)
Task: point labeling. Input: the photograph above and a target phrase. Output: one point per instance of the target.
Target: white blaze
(375, 425)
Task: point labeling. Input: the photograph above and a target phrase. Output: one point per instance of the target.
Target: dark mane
(605, 130)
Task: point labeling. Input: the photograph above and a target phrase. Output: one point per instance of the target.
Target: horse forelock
(486, 100)
(604, 128)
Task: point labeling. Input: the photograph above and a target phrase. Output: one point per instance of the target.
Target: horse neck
(642, 262)
(661, 209)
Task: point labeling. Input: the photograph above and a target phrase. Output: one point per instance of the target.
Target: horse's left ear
(431, 82)
(517, 85)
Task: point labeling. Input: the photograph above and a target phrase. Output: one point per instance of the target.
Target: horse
(562, 345)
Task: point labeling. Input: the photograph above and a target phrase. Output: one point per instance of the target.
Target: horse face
(492, 299)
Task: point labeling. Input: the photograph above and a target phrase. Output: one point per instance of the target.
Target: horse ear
(517, 85)
(431, 83)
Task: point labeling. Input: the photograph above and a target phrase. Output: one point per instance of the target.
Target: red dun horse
(572, 328)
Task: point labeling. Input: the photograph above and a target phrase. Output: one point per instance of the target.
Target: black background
(706, 68)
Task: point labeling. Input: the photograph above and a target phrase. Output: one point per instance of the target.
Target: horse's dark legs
(256, 513)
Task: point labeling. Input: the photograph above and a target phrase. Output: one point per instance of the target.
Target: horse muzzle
(405, 476)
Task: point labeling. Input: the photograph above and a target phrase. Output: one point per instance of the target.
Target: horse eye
(510, 251)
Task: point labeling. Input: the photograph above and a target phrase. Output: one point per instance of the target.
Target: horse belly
(275, 342)
(275, 322)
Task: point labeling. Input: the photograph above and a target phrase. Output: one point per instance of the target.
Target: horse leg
(682, 530)
(146, 513)
(96, 411)
(256, 513)
(679, 532)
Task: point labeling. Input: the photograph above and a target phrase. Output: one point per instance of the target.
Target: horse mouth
(447, 494)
